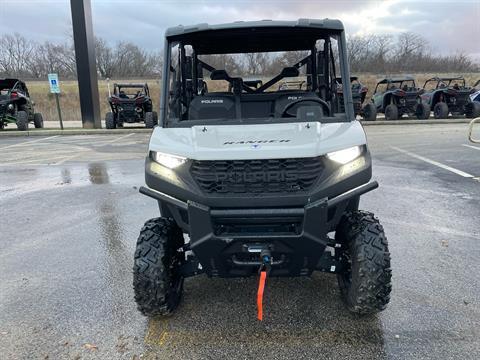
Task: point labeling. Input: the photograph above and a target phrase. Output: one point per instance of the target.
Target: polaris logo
(256, 142)
(294, 97)
(255, 177)
(212, 101)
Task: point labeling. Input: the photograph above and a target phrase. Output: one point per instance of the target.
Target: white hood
(265, 141)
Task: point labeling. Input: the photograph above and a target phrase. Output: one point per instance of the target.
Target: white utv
(253, 178)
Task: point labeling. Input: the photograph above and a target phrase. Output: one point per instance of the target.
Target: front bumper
(227, 242)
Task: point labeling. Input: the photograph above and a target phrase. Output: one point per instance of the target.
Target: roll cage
(445, 81)
(183, 73)
(118, 88)
(14, 85)
(406, 84)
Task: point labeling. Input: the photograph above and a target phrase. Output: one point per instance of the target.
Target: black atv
(16, 107)
(395, 97)
(359, 93)
(447, 95)
(130, 103)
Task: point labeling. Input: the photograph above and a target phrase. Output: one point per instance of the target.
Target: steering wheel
(324, 104)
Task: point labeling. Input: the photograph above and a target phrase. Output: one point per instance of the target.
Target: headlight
(345, 156)
(167, 160)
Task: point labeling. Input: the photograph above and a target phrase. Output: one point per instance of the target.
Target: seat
(288, 98)
(212, 106)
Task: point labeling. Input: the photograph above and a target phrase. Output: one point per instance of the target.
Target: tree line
(407, 52)
(23, 58)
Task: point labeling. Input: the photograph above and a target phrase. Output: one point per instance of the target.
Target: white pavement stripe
(433, 162)
(115, 140)
(29, 142)
(471, 147)
(38, 154)
(68, 158)
(33, 160)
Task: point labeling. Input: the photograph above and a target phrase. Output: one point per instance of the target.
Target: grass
(70, 102)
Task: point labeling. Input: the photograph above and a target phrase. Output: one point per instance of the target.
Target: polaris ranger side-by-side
(265, 181)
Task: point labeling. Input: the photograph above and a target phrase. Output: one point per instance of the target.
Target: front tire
(365, 285)
(157, 280)
(422, 111)
(22, 120)
(440, 110)
(110, 121)
(370, 112)
(150, 119)
(391, 112)
(473, 110)
(38, 120)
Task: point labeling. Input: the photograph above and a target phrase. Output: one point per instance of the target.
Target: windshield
(255, 70)
(258, 85)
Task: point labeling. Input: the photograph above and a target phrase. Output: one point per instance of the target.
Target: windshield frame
(343, 72)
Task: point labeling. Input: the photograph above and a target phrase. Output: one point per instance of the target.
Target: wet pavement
(72, 212)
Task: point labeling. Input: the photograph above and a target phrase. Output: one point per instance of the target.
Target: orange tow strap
(261, 287)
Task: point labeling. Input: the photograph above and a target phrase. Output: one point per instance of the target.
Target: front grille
(256, 176)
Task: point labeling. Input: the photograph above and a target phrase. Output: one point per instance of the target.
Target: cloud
(448, 25)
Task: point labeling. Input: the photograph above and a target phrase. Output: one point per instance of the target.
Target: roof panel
(327, 24)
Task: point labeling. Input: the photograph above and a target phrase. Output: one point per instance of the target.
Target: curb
(416, 122)
(52, 132)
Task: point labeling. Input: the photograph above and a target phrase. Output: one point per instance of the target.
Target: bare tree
(105, 58)
(14, 52)
(408, 52)
(256, 63)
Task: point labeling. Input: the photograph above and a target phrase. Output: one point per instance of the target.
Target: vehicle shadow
(303, 318)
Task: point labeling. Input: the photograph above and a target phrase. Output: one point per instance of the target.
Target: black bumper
(227, 242)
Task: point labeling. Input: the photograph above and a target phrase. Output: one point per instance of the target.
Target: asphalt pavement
(71, 213)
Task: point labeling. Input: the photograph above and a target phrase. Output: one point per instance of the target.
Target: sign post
(55, 89)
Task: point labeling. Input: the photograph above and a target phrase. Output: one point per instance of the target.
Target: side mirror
(290, 72)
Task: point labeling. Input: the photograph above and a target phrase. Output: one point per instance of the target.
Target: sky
(449, 26)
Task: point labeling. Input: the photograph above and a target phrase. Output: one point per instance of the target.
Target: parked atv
(16, 107)
(259, 178)
(130, 103)
(396, 97)
(359, 91)
(447, 95)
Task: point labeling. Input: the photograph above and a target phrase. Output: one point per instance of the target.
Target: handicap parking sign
(54, 85)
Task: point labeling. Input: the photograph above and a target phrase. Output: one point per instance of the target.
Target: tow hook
(264, 270)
